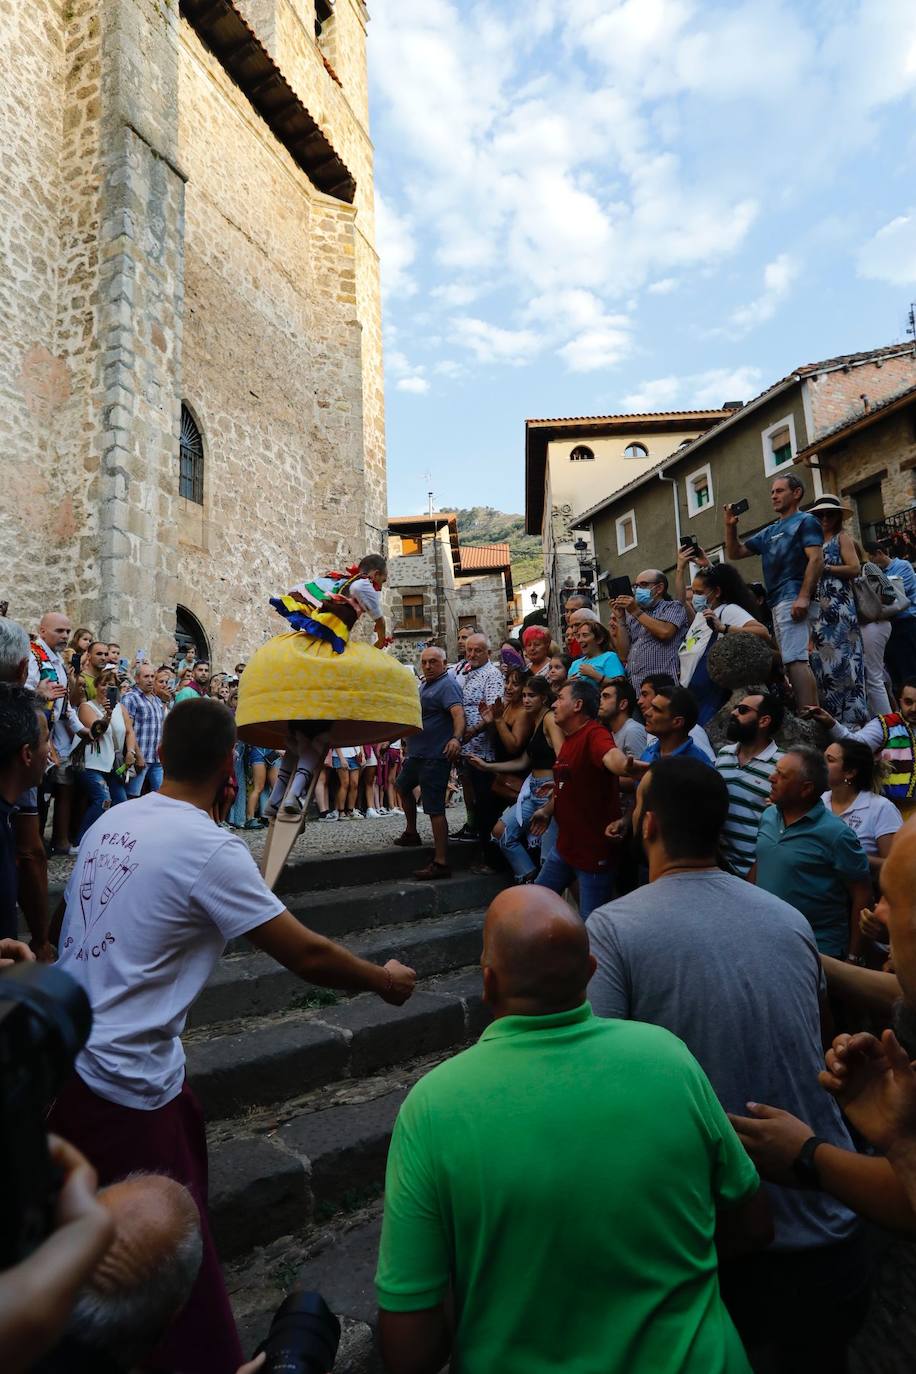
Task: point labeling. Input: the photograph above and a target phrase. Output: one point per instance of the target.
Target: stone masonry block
(257, 1192)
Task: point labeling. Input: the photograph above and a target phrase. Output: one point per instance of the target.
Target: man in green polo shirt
(809, 857)
(561, 1179)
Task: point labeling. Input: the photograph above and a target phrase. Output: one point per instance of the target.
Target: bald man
(647, 628)
(145, 1278)
(561, 1180)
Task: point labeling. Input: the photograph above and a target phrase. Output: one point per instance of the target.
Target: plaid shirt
(481, 687)
(147, 715)
(650, 655)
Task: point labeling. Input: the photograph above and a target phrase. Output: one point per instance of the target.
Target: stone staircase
(301, 1086)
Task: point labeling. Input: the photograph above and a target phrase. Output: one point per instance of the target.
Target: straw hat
(829, 503)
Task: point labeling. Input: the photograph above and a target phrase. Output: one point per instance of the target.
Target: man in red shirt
(586, 799)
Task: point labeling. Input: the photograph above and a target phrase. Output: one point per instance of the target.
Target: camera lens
(304, 1336)
(58, 1004)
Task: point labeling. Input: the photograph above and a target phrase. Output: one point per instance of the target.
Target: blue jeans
(594, 888)
(104, 789)
(153, 771)
(512, 840)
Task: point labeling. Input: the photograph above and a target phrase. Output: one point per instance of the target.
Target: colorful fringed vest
(899, 755)
(321, 608)
(46, 673)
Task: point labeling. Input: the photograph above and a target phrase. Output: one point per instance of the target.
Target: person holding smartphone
(111, 750)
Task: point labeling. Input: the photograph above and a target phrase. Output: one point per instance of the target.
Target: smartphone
(113, 696)
(689, 542)
(619, 586)
(76, 661)
(739, 507)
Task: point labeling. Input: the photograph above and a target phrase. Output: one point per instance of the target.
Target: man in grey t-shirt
(734, 972)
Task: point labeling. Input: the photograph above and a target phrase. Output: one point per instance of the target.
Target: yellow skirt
(367, 694)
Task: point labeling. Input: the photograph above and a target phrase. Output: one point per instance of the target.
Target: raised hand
(875, 1084)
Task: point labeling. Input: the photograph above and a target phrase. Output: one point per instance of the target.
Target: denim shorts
(792, 635)
(340, 761)
(256, 754)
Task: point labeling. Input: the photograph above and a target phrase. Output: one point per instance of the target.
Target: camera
(45, 1020)
(739, 507)
(303, 1337)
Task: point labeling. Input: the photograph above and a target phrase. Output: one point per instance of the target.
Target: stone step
(346, 910)
(384, 865)
(270, 1059)
(254, 984)
(338, 1262)
(283, 1171)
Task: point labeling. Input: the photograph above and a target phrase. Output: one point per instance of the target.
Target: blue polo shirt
(436, 702)
(687, 750)
(808, 865)
(782, 549)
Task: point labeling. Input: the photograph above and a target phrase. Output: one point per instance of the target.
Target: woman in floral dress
(838, 655)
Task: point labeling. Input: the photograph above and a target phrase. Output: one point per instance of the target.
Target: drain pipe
(677, 508)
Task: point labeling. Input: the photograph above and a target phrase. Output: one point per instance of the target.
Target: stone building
(870, 460)
(640, 525)
(570, 464)
(190, 361)
(436, 585)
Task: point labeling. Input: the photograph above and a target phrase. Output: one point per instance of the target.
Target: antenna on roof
(911, 322)
(429, 494)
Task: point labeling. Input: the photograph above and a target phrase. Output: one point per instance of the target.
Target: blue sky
(615, 205)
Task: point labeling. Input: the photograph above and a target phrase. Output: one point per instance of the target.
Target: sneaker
(356, 815)
(70, 852)
(345, 816)
(263, 821)
(251, 824)
(396, 811)
(466, 835)
(383, 811)
(293, 807)
(330, 816)
(372, 814)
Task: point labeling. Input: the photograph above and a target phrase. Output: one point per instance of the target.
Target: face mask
(643, 596)
(700, 603)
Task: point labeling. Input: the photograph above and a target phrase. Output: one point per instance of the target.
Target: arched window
(190, 634)
(190, 459)
(581, 454)
(636, 451)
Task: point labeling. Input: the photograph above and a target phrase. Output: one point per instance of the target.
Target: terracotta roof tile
(477, 557)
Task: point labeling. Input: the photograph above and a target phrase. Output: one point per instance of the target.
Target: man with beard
(874, 1081)
(744, 998)
(746, 764)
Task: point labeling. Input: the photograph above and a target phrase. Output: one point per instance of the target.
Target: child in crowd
(330, 606)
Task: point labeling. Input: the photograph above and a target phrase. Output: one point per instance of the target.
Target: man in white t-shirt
(157, 891)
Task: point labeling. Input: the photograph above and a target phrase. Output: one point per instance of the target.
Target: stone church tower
(190, 354)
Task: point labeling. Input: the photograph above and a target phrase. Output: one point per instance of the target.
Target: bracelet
(389, 983)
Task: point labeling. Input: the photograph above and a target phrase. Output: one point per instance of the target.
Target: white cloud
(663, 287)
(603, 345)
(778, 279)
(489, 343)
(456, 293)
(699, 391)
(394, 240)
(890, 254)
(418, 385)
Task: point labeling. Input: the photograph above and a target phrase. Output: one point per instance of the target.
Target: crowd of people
(648, 1162)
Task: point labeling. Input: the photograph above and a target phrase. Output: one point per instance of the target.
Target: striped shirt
(748, 797)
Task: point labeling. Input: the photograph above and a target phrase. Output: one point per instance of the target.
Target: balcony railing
(898, 529)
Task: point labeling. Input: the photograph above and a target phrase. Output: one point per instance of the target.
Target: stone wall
(126, 289)
(272, 367)
(420, 574)
(482, 595)
(887, 448)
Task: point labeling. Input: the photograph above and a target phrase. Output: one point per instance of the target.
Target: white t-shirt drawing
(696, 640)
(157, 891)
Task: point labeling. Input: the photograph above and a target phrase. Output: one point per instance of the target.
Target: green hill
(484, 525)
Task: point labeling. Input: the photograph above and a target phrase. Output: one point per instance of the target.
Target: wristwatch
(804, 1167)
